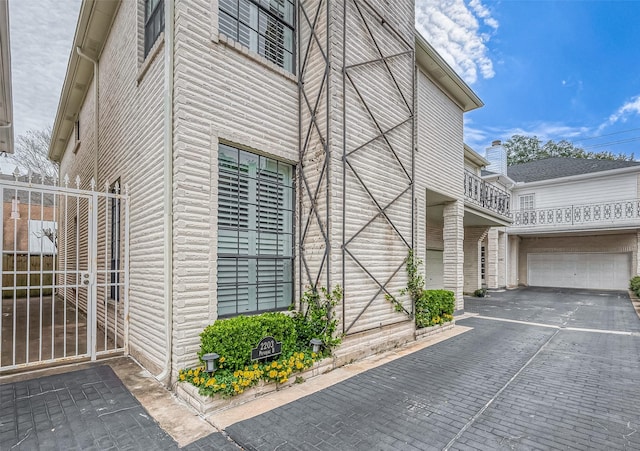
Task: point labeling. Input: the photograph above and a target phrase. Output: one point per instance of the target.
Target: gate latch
(86, 279)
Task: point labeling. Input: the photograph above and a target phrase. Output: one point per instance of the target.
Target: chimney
(497, 156)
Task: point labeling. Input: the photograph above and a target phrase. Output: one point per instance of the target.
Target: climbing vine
(415, 284)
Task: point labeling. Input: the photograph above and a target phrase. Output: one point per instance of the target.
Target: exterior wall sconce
(316, 343)
(210, 362)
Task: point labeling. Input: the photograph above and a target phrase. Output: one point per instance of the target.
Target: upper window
(527, 202)
(264, 26)
(255, 233)
(153, 22)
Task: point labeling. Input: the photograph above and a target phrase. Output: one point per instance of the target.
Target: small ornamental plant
(234, 338)
(230, 383)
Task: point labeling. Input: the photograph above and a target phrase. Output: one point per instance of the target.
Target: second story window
(153, 22)
(527, 202)
(264, 26)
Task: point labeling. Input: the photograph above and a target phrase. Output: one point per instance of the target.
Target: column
(453, 256)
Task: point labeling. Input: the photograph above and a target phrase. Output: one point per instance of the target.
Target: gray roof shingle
(556, 167)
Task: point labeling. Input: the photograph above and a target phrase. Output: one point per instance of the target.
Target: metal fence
(64, 270)
(487, 195)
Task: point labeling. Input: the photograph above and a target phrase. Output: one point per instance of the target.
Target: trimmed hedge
(434, 307)
(234, 338)
(634, 285)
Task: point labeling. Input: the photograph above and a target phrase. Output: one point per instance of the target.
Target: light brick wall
(453, 256)
(130, 149)
(223, 92)
(492, 256)
(514, 255)
(473, 238)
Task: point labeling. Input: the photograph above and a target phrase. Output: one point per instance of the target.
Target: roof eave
(93, 27)
(578, 177)
(430, 61)
(475, 157)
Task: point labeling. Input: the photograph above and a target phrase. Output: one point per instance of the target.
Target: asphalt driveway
(537, 369)
(570, 380)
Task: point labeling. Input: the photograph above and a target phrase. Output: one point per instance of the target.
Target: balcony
(610, 214)
(486, 195)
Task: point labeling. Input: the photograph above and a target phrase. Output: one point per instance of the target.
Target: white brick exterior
(222, 92)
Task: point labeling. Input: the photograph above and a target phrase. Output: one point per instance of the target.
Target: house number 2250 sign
(268, 347)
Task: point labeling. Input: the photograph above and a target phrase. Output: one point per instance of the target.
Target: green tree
(522, 149)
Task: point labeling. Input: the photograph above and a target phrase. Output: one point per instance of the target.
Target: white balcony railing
(616, 212)
(487, 195)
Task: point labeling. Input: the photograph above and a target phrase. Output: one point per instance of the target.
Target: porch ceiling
(473, 217)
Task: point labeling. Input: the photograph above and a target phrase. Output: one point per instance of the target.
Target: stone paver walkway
(83, 410)
(538, 369)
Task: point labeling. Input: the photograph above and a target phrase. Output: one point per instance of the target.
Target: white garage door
(580, 270)
(435, 270)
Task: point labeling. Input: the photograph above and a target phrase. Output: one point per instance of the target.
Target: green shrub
(480, 292)
(634, 285)
(434, 307)
(234, 338)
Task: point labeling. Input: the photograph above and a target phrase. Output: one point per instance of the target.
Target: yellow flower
(182, 377)
(273, 374)
(274, 364)
(221, 360)
(255, 366)
(223, 386)
(190, 373)
(314, 355)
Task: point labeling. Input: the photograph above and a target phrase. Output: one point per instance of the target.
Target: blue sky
(554, 69)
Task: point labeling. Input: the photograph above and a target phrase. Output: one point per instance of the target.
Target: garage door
(580, 270)
(435, 270)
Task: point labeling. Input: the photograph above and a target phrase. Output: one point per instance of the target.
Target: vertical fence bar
(41, 275)
(107, 268)
(15, 275)
(125, 318)
(66, 272)
(1, 272)
(77, 281)
(93, 263)
(28, 317)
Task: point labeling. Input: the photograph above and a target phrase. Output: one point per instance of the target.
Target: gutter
(96, 95)
(165, 376)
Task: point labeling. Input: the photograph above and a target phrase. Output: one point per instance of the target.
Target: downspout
(165, 376)
(96, 92)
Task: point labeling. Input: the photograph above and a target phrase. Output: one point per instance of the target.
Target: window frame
(149, 18)
(251, 188)
(524, 200)
(262, 10)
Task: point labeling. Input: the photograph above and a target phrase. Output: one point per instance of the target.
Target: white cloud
(455, 31)
(629, 108)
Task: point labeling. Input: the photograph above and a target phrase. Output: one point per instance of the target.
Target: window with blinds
(264, 26)
(255, 233)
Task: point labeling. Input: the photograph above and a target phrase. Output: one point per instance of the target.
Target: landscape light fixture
(316, 343)
(210, 362)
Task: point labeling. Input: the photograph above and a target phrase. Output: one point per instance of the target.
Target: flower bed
(206, 404)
